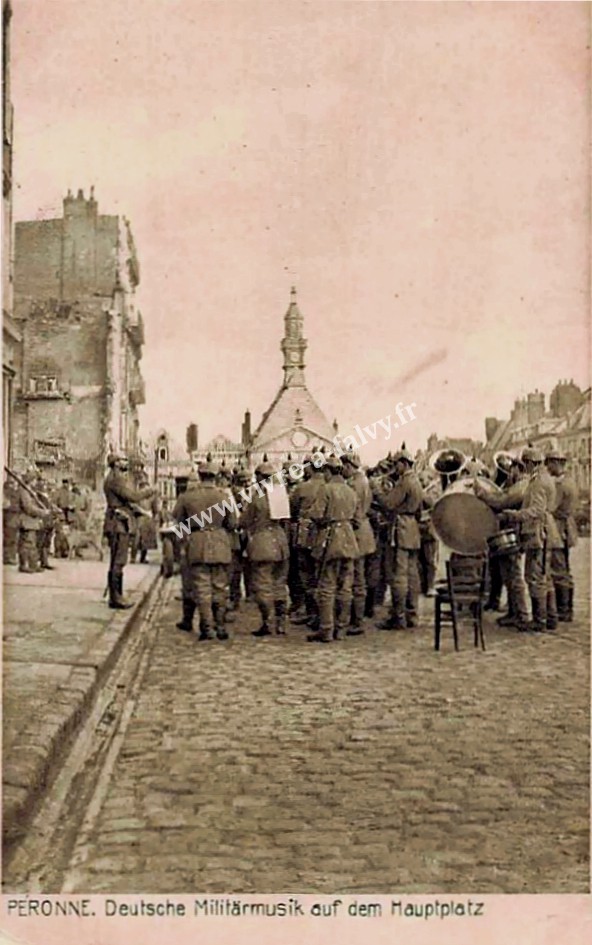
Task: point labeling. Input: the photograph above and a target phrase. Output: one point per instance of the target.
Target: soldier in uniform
(403, 504)
(510, 565)
(356, 478)
(241, 480)
(564, 515)
(335, 550)
(539, 537)
(66, 502)
(268, 555)
(428, 549)
(208, 553)
(32, 518)
(302, 500)
(119, 524)
(10, 522)
(45, 532)
(376, 577)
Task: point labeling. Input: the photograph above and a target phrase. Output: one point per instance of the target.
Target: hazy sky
(418, 170)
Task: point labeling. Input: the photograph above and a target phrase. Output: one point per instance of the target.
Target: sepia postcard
(296, 488)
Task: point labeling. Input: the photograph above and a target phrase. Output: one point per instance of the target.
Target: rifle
(324, 547)
(35, 495)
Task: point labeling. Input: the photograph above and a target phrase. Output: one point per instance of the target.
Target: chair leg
(481, 633)
(454, 625)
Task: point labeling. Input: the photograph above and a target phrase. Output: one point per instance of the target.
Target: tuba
(503, 462)
(448, 463)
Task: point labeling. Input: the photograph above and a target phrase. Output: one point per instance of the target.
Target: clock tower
(293, 425)
(293, 345)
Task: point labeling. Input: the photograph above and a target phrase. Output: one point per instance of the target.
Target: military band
(325, 559)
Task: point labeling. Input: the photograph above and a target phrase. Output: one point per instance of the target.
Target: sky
(418, 170)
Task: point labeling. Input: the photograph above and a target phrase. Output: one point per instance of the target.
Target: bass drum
(462, 521)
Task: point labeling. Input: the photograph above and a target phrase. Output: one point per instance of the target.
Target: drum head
(463, 522)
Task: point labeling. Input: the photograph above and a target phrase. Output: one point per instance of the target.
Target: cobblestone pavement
(374, 765)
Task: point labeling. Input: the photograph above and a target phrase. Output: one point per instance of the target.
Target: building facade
(564, 425)
(11, 336)
(82, 336)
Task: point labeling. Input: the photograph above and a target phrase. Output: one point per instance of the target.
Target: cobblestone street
(372, 765)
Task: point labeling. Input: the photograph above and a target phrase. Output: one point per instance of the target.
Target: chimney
(246, 429)
(491, 425)
(535, 407)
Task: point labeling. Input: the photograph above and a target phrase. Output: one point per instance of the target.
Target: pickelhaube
(264, 469)
(532, 455)
(333, 462)
(208, 469)
(556, 454)
(404, 455)
(353, 459)
(116, 457)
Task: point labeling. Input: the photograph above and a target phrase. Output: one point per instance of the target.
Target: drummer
(510, 497)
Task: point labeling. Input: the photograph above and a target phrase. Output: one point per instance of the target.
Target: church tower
(294, 345)
(294, 424)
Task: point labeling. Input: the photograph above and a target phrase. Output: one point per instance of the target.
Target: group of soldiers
(38, 517)
(538, 498)
(350, 533)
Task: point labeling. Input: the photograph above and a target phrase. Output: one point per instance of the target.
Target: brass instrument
(503, 461)
(448, 463)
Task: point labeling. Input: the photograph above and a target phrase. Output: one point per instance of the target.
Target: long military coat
(210, 544)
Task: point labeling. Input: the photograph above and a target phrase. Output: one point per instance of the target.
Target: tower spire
(293, 344)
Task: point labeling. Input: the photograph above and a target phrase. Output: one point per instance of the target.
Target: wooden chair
(463, 590)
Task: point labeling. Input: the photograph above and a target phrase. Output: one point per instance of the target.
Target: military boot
(370, 603)
(219, 621)
(538, 624)
(280, 617)
(188, 611)
(263, 630)
(562, 598)
(551, 610)
(116, 599)
(355, 628)
(570, 599)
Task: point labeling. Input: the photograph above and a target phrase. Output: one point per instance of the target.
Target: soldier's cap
(208, 469)
(116, 458)
(532, 455)
(264, 469)
(192, 476)
(242, 475)
(404, 456)
(224, 472)
(556, 454)
(352, 459)
(333, 462)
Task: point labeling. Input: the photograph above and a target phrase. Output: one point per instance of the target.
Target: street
(372, 765)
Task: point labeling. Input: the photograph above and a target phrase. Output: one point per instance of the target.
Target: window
(43, 384)
(162, 453)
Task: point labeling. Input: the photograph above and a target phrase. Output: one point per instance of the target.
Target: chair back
(467, 575)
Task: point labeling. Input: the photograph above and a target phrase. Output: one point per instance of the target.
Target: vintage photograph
(296, 433)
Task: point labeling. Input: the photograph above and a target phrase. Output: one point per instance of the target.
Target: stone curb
(40, 747)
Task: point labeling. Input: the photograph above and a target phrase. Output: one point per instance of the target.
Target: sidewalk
(59, 640)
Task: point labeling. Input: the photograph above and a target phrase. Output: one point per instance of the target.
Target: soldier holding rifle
(122, 508)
